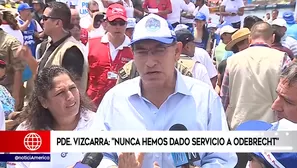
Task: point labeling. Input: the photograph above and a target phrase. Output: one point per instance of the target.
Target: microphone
(90, 160)
(183, 159)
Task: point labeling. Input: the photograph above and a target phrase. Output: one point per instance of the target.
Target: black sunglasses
(45, 18)
(114, 23)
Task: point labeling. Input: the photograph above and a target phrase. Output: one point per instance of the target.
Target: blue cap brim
(202, 19)
(29, 8)
(165, 40)
(290, 21)
(254, 125)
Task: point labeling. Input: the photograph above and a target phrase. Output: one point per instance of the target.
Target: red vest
(100, 64)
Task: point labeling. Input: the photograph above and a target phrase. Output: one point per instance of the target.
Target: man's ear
(178, 50)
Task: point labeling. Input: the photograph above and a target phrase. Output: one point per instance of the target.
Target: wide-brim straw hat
(4, 9)
(238, 36)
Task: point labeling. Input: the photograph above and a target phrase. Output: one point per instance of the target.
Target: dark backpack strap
(42, 48)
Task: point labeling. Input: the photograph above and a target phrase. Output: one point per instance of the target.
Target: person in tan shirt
(13, 79)
(251, 77)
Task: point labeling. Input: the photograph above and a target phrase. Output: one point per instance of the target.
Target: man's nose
(277, 105)
(150, 61)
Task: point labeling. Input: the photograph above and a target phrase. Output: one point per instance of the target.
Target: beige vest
(253, 77)
(57, 56)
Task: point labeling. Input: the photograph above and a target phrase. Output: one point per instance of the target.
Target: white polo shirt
(114, 51)
(203, 57)
(232, 6)
(63, 159)
(177, 7)
(194, 104)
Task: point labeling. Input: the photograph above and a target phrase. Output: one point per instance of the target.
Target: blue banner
(25, 157)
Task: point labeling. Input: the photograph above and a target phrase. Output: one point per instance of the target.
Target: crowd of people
(145, 67)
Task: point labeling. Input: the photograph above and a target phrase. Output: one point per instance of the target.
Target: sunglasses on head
(118, 22)
(45, 18)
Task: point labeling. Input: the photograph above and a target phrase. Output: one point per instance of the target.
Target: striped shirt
(290, 43)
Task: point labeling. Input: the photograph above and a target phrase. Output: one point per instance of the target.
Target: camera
(98, 19)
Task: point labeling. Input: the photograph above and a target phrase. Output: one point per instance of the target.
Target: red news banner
(25, 141)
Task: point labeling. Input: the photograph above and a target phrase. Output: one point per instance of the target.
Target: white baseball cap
(153, 27)
(279, 22)
(180, 26)
(227, 29)
(131, 22)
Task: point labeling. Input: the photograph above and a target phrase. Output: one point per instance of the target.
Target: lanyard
(114, 64)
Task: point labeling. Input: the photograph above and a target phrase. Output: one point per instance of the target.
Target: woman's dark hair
(205, 34)
(35, 115)
(235, 49)
(249, 21)
(10, 19)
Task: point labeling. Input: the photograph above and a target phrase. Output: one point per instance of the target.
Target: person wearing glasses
(161, 97)
(108, 54)
(93, 7)
(32, 32)
(62, 48)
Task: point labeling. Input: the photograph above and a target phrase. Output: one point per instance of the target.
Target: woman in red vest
(108, 54)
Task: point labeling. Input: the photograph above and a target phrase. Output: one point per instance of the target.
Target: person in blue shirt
(268, 159)
(30, 29)
(291, 24)
(160, 96)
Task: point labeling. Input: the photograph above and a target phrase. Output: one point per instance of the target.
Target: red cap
(116, 11)
(2, 62)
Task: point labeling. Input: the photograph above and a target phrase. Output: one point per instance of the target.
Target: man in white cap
(131, 22)
(160, 96)
(287, 41)
(220, 51)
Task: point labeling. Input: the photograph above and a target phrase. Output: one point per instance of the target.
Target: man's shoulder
(126, 88)
(196, 86)
(7, 38)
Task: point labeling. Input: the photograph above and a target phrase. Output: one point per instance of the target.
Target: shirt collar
(85, 117)
(126, 42)
(60, 41)
(180, 86)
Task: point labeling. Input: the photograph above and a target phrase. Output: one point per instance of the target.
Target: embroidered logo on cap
(152, 25)
(117, 11)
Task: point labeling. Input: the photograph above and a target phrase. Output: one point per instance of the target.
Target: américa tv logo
(32, 141)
